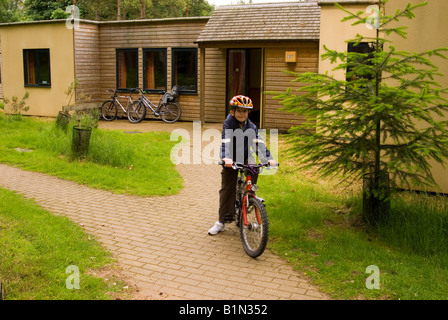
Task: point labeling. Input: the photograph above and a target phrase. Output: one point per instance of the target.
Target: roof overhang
(332, 2)
(272, 22)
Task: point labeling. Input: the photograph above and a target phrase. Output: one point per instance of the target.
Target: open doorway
(244, 76)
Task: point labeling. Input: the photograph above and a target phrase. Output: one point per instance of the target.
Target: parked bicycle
(250, 211)
(167, 109)
(109, 109)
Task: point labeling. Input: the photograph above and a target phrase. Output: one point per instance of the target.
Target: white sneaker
(217, 228)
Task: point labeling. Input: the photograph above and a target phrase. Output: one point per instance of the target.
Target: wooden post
(202, 86)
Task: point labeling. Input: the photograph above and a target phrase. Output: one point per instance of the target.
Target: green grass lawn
(120, 162)
(316, 225)
(37, 247)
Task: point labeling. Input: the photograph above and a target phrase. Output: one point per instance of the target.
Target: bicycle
(109, 109)
(250, 213)
(167, 109)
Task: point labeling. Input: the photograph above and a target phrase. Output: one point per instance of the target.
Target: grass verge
(38, 251)
(316, 226)
(120, 162)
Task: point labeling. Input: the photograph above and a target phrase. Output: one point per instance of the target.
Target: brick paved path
(161, 243)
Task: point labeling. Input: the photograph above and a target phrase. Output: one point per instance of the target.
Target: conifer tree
(387, 118)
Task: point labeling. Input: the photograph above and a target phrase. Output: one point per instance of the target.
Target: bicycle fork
(249, 193)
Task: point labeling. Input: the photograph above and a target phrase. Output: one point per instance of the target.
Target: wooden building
(253, 45)
(102, 55)
(241, 49)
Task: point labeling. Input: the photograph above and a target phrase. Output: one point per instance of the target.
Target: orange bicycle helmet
(241, 101)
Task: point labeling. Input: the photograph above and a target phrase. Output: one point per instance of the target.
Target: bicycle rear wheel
(109, 110)
(170, 112)
(254, 235)
(136, 112)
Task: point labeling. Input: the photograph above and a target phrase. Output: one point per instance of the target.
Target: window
(154, 70)
(127, 68)
(355, 62)
(185, 71)
(36, 66)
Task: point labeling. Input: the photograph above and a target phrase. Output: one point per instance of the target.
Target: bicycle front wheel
(170, 112)
(109, 110)
(254, 234)
(136, 112)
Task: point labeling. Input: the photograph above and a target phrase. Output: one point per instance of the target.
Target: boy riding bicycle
(239, 135)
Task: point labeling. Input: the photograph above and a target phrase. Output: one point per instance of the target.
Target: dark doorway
(244, 75)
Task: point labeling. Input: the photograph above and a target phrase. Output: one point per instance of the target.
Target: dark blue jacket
(239, 144)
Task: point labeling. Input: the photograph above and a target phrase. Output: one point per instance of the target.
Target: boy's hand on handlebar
(227, 162)
(272, 163)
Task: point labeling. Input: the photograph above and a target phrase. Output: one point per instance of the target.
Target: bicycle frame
(148, 104)
(151, 106)
(128, 102)
(250, 188)
(128, 99)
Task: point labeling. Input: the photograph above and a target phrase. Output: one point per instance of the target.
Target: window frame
(117, 68)
(163, 50)
(38, 83)
(194, 50)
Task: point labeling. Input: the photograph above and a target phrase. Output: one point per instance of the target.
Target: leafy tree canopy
(21, 10)
(11, 11)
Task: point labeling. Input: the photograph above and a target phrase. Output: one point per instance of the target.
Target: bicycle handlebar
(237, 165)
(136, 90)
(132, 90)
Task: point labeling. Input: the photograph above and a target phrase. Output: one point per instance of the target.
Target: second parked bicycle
(167, 109)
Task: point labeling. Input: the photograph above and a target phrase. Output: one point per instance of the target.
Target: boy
(237, 125)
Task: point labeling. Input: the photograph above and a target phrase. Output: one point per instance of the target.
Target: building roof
(260, 22)
(324, 2)
(130, 22)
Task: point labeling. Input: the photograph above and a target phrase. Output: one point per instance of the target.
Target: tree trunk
(142, 9)
(118, 10)
(376, 185)
(376, 197)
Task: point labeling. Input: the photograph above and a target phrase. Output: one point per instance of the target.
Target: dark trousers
(227, 194)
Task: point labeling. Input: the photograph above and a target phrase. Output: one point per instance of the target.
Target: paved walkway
(161, 243)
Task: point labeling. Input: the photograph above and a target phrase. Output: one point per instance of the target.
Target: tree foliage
(388, 115)
(11, 11)
(20, 10)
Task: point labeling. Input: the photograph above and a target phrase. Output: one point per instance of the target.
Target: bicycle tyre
(254, 236)
(136, 112)
(109, 110)
(239, 197)
(170, 112)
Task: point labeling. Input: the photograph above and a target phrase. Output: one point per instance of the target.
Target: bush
(17, 106)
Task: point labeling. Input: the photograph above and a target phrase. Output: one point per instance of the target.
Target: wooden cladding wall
(87, 60)
(215, 85)
(276, 80)
(95, 65)
(155, 34)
